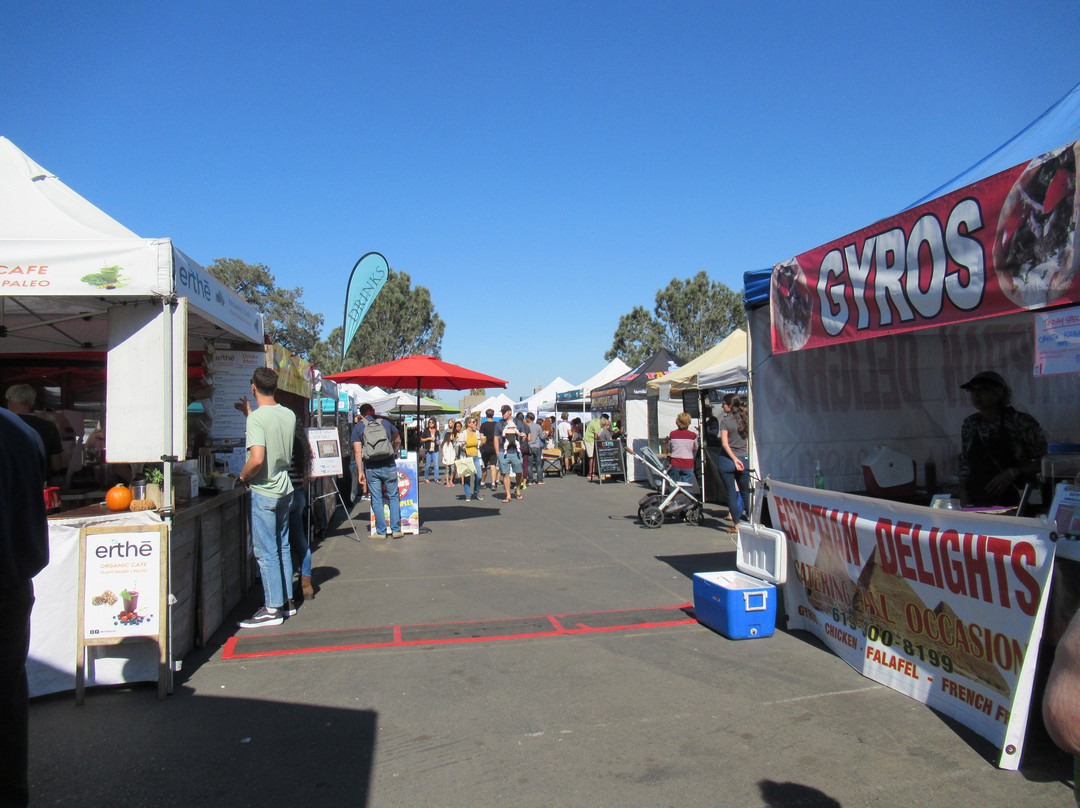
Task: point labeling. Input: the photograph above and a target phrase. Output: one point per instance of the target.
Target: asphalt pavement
(534, 653)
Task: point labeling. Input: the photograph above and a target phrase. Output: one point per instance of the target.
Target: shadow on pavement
(456, 513)
(794, 795)
(687, 565)
(124, 747)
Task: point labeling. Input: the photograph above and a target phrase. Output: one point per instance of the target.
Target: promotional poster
(410, 507)
(122, 583)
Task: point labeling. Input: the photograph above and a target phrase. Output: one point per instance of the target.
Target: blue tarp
(1059, 125)
(756, 288)
(1054, 128)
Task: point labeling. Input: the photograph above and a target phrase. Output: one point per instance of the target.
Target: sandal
(518, 496)
(506, 500)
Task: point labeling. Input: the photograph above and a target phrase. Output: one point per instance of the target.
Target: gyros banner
(943, 605)
(1005, 243)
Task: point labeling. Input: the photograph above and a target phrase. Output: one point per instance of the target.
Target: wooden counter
(211, 565)
(211, 568)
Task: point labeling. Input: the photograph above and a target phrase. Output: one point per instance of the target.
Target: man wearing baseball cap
(1001, 447)
(508, 447)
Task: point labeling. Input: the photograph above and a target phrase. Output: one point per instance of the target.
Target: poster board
(123, 592)
(1057, 342)
(610, 459)
(325, 446)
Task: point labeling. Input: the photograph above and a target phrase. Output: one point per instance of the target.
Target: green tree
(286, 321)
(637, 338)
(690, 317)
(401, 321)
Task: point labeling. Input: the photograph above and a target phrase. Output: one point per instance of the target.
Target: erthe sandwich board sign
(123, 592)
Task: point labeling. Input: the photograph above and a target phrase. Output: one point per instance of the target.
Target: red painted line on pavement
(322, 641)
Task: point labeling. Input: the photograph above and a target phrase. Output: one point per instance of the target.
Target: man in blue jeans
(379, 470)
(270, 431)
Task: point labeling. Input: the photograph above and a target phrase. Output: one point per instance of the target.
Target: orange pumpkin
(118, 498)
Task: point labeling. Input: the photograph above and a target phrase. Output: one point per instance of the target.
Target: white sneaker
(263, 617)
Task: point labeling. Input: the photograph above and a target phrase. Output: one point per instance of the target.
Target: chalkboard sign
(610, 458)
(691, 403)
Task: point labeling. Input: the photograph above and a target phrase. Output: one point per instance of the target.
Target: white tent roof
(725, 374)
(610, 372)
(35, 205)
(493, 403)
(544, 399)
(65, 258)
(402, 402)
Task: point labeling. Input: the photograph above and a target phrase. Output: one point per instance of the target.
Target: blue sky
(541, 167)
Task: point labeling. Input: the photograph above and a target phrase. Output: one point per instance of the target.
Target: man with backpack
(376, 443)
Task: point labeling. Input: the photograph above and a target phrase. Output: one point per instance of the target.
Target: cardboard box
(185, 487)
(736, 605)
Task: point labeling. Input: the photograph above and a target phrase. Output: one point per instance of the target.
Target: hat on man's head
(506, 408)
(984, 378)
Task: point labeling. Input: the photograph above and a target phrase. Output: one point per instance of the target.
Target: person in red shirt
(683, 447)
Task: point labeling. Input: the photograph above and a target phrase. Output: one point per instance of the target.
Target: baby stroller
(672, 501)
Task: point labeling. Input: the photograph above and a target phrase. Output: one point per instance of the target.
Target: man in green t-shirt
(592, 429)
(270, 430)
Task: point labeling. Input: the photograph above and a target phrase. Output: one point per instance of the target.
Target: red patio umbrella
(416, 373)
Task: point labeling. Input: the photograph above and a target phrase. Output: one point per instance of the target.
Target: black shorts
(488, 458)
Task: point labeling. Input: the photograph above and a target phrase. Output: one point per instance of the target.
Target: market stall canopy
(64, 263)
(406, 404)
(544, 399)
(632, 384)
(493, 403)
(686, 377)
(730, 373)
(611, 371)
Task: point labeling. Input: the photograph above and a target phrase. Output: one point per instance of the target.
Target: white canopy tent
(78, 289)
(730, 373)
(404, 403)
(493, 403)
(609, 373)
(75, 281)
(544, 399)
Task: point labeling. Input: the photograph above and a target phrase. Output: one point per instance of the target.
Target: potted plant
(154, 480)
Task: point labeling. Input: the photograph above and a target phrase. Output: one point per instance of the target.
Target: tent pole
(166, 466)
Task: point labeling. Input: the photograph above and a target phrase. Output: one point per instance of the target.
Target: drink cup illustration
(131, 600)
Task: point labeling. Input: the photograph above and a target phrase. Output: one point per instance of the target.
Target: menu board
(610, 458)
(232, 382)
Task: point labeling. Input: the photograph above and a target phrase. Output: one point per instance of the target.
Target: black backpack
(375, 445)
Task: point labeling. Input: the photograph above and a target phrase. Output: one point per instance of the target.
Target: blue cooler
(742, 605)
